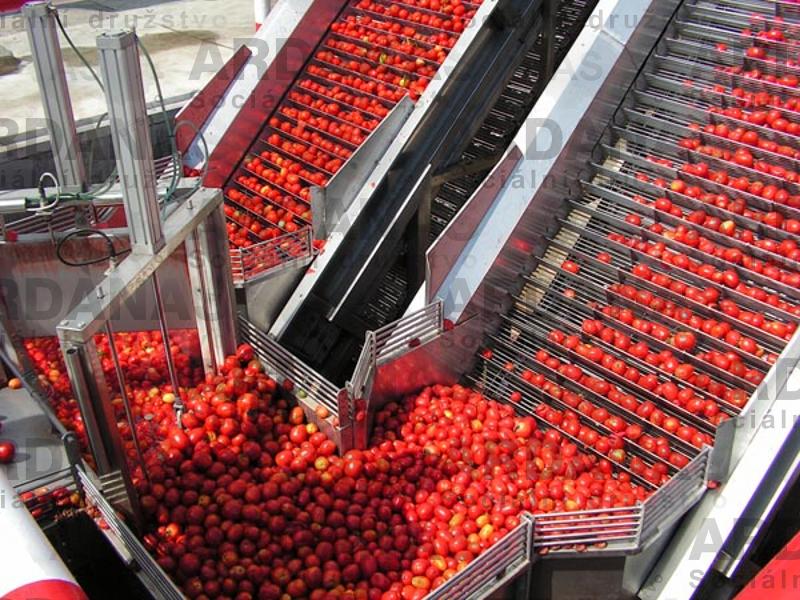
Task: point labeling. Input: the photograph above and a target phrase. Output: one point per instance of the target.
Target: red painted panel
(52, 589)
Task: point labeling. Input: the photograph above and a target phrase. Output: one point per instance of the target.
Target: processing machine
(586, 211)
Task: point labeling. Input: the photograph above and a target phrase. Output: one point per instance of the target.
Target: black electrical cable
(76, 51)
(112, 251)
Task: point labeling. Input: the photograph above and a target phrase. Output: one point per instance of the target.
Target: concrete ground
(189, 41)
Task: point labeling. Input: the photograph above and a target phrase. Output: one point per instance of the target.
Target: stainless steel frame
(40, 23)
(130, 132)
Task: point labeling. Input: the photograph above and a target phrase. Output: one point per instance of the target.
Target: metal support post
(126, 401)
(40, 23)
(127, 113)
(165, 339)
(419, 234)
(549, 37)
(212, 289)
(100, 421)
(93, 413)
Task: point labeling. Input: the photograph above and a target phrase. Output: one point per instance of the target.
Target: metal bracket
(444, 255)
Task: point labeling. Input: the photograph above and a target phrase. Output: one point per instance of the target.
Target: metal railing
(674, 498)
(42, 494)
(497, 566)
(268, 257)
(310, 387)
(611, 529)
(625, 529)
(394, 338)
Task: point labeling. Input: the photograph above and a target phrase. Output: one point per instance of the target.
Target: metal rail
(498, 565)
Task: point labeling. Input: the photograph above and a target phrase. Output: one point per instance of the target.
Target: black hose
(112, 251)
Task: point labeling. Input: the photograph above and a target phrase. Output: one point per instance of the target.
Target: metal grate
(491, 570)
(308, 384)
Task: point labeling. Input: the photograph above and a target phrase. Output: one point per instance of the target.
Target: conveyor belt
(508, 112)
(672, 284)
(375, 53)
(503, 121)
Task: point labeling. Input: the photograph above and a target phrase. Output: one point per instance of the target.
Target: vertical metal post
(194, 264)
(72, 448)
(40, 23)
(130, 132)
(100, 445)
(162, 323)
(126, 402)
(212, 284)
(419, 238)
(523, 588)
(94, 398)
(318, 205)
(549, 37)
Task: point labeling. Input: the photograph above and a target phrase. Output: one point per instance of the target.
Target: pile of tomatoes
(375, 54)
(247, 500)
(143, 361)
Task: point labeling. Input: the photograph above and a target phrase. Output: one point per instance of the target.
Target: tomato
(685, 340)
(570, 266)
(7, 452)
(604, 257)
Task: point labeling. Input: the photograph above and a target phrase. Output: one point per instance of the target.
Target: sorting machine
(606, 214)
(350, 128)
(533, 220)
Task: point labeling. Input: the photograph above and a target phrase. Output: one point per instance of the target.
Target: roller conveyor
(332, 345)
(644, 305)
(674, 235)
